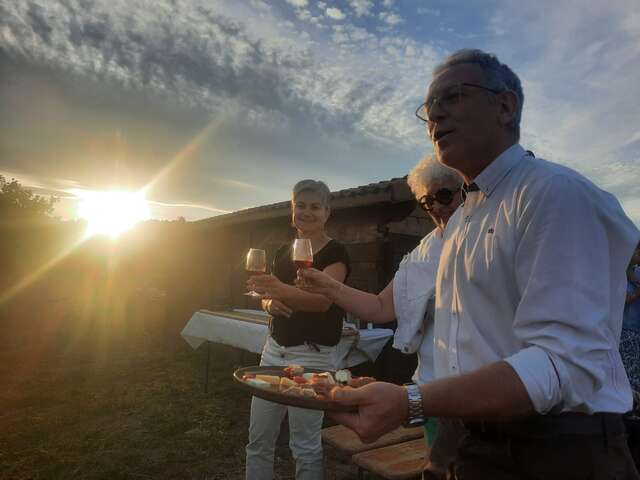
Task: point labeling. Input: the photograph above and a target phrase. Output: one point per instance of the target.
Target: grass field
(125, 409)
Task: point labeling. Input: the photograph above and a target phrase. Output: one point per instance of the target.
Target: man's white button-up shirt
(533, 272)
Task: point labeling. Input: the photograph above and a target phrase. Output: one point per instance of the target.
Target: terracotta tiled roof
(390, 191)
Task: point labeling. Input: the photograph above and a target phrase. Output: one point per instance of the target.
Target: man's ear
(508, 106)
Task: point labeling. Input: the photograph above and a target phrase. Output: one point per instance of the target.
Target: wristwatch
(416, 414)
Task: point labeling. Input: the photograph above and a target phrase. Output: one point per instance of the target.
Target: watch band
(416, 413)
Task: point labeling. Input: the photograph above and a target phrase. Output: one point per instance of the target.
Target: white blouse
(413, 287)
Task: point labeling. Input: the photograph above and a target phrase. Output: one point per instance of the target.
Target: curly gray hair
(497, 75)
(427, 172)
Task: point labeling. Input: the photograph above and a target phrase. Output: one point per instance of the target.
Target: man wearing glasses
(530, 294)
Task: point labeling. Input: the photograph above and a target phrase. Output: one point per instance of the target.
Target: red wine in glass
(301, 253)
(303, 263)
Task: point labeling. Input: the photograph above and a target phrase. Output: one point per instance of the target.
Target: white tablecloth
(251, 335)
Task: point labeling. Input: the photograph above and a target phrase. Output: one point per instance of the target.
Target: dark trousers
(563, 447)
(444, 449)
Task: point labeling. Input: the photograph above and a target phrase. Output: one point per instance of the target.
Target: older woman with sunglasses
(409, 297)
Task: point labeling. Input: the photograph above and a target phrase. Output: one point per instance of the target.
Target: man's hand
(276, 307)
(382, 407)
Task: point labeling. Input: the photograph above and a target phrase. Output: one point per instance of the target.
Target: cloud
(279, 95)
(226, 67)
(577, 87)
(429, 11)
(390, 18)
(42, 185)
(361, 7)
(388, 3)
(306, 16)
(335, 13)
(208, 208)
(260, 5)
(633, 140)
(296, 92)
(348, 33)
(201, 64)
(298, 3)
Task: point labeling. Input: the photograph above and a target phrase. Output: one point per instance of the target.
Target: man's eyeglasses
(449, 96)
(444, 196)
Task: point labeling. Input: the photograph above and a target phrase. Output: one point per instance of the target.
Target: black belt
(538, 426)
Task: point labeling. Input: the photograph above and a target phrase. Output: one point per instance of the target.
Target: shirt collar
(497, 170)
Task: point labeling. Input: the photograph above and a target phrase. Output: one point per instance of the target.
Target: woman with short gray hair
(409, 297)
(304, 330)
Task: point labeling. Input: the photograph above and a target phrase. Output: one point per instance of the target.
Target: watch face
(416, 413)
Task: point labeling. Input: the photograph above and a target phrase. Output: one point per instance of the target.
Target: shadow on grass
(133, 407)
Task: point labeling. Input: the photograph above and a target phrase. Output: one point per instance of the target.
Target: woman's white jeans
(305, 440)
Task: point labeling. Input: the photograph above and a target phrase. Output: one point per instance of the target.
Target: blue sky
(216, 106)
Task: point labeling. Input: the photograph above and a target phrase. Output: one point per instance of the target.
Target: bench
(345, 441)
(394, 462)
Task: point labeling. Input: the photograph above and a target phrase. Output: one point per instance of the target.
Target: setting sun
(111, 213)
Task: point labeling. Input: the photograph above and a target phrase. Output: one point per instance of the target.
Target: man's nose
(435, 111)
(432, 122)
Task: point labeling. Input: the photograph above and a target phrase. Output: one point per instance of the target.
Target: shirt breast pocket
(482, 252)
(498, 249)
(490, 241)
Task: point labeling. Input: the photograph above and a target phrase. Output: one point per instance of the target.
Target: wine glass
(302, 253)
(256, 264)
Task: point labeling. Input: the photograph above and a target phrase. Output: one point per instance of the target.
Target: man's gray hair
(497, 75)
(428, 172)
(315, 186)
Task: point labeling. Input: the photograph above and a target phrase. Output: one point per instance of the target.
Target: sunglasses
(444, 196)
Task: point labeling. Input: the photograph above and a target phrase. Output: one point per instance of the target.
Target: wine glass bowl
(256, 264)
(302, 253)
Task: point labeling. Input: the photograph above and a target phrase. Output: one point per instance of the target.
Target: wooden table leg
(206, 370)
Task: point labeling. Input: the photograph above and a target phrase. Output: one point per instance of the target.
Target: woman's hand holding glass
(275, 307)
(314, 281)
(267, 286)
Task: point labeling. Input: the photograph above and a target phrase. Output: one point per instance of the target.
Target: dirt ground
(99, 407)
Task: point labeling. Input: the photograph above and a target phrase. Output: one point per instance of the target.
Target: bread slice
(272, 379)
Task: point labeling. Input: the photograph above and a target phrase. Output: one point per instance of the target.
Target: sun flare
(111, 213)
